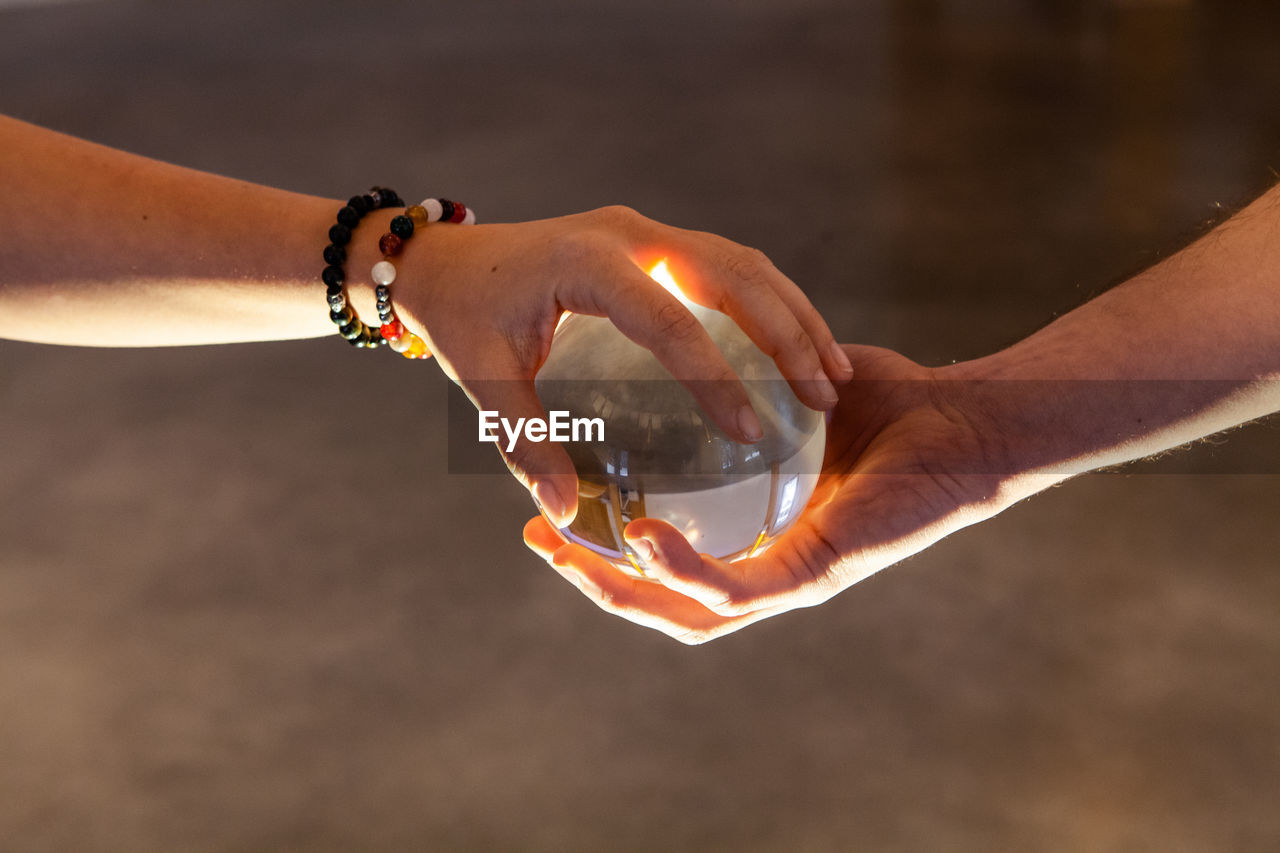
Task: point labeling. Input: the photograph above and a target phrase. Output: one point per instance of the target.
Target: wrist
(1027, 428)
(1049, 425)
(377, 297)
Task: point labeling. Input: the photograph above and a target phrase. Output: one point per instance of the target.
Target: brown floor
(212, 638)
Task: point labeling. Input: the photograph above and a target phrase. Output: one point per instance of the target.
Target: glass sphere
(663, 458)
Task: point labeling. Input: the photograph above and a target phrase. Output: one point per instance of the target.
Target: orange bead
(418, 214)
(417, 347)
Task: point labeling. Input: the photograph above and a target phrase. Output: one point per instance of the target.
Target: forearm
(106, 248)
(1188, 348)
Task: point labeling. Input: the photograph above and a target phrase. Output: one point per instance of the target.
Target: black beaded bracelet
(350, 326)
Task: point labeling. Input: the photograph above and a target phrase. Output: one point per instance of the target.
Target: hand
(910, 458)
(486, 299)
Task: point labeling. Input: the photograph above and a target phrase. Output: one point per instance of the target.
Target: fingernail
(549, 499)
(749, 424)
(841, 358)
(825, 388)
(642, 547)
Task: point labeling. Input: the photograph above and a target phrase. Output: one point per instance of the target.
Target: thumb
(669, 559)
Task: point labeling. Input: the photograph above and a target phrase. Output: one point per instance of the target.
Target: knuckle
(729, 383)
(799, 340)
(673, 320)
(617, 215)
(575, 248)
(522, 461)
(794, 343)
(747, 264)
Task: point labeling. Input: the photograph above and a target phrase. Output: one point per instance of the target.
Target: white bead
(401, 343)
(470, 218)
(434, 209)
(383, 272)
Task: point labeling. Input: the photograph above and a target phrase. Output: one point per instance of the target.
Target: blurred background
(234, 618)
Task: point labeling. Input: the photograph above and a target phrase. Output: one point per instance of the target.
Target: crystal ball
(662, 457)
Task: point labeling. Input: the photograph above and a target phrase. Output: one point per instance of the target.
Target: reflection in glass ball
(663, 458)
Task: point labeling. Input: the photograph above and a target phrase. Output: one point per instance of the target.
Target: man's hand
(910, 458)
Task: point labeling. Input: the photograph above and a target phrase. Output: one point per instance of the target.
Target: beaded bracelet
(383, 273)
(341, 313)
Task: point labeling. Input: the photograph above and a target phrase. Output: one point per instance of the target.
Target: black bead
(351, 329)
(333, 290)
(446, 208)
(333, 276)
(343, 317)
(361, 203)
(402, 227)
(340, 235)
(349, 217)
(335, 254)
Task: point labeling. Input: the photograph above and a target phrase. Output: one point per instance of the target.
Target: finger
(656, 320)
(768, 582)
(834, 359)
(668, 558)
(644, 602)
(766, 304)
(507, 409)
(744, 284)
(542, 538)
(741, 283)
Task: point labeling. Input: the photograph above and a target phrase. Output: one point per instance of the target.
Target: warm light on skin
(662, 275)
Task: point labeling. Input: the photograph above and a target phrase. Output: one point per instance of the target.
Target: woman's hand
(910, 458)
(487, 298)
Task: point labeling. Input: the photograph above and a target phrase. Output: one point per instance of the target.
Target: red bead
(390, 245)
(392, 330)
(459, 212)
